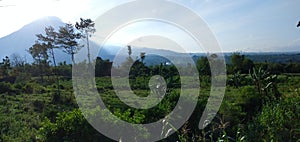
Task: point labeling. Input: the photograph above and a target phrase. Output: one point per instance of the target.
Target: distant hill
(20, 41)
(275, 57)
(153, 56)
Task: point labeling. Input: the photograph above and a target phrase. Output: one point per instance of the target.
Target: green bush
(69, 126)
(33, 88)
(23, 78)
(277, 122)
(6, 87)
(38, 105)
(249, 99)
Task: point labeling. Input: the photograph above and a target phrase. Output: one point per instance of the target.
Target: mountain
(20, 41)
(154, 56)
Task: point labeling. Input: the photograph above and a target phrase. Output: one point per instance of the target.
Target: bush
(23, 78)
(38, 105)
(277, 122)
(33, 88)
(249, 100)
(6, 87)
(69, 126)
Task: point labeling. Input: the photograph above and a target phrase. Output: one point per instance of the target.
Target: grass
(21, 114)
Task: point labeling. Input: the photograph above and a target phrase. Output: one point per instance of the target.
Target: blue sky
(255, 25)
(243, 25)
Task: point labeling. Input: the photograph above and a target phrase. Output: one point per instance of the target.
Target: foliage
(67, 39)
(39, 53)
(240, 63)
(33, 88)
(6, 87)
(102, 67)
(266, 84)
(86, 27)
(277, 121)
(249, 100)
(4, 67)
(23, 78)
(69, 126)
(261, 101)
(236, 80)
(49, 41)
(203, 66)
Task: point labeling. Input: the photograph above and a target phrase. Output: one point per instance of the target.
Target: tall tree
(50, 42)
(86, 26)
(68, 40)
(39, 53)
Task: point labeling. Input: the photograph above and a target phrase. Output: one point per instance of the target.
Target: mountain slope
(20, 41)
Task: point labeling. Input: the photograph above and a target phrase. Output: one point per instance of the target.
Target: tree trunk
(40, 69)
(88, 46)
(73, 59)
(55, 71)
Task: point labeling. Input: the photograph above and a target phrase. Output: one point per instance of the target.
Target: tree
(39, 53)
(102, 67)
(236, 79)
(129, 50)
(5, 66)
(86, 26)
(203, 66)
(17, 60)
(50, 42)
(126, 65)
(18, 64)
(240, 63)
(67, 39)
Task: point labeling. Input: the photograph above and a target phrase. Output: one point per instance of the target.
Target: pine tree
(86, 27)
(67, 39)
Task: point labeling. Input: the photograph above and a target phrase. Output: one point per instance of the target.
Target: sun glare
(21, 12)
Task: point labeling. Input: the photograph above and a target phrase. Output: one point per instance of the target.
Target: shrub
(249, 100)
(69, 126)
(6, 87)
(23, 78)
(277, 122)
(33, 88)
(38, 105)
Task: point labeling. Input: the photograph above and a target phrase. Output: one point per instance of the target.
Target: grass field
(23, 112)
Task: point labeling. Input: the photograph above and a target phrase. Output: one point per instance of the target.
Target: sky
(239, 26)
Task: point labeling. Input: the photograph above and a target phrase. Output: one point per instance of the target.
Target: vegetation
(261, 103)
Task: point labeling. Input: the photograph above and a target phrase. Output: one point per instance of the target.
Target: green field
(46, 101)
(31, 111)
